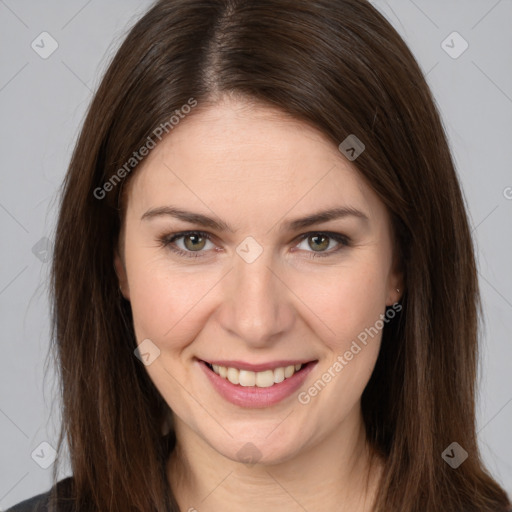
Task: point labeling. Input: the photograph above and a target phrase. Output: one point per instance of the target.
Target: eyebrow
(220, 225)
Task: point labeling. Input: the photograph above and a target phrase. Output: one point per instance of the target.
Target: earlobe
(396, 290)
(121, 275)
(396, 281)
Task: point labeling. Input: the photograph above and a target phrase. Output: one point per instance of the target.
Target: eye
(321, 240)
(193, 243)
(190, 244)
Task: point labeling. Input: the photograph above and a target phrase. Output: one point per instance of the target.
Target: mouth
(266, 378)
(256, 389)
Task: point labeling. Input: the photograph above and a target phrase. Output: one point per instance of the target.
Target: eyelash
(168, 240)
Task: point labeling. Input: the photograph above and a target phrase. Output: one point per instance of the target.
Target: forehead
(246, 154)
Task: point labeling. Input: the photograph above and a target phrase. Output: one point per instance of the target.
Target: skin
(256, 168)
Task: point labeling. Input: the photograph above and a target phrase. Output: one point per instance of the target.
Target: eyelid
(343, 242)
(169, 239)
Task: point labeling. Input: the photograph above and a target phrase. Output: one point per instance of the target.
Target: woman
(262, 269)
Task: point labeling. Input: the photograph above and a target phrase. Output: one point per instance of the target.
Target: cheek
(346, 299)
(170, 303)
(165, 302)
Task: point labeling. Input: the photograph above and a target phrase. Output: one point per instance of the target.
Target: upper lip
(242, 365)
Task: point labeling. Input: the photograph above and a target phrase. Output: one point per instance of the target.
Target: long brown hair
(340, 66)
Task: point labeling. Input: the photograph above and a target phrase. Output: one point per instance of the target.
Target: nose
(257, 305)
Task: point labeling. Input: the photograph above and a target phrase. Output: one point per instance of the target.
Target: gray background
(42, 102)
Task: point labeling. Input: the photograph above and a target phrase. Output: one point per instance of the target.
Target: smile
(259, 387)
(247, 378)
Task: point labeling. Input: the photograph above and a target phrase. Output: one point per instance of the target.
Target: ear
(395, 288)
(396, 283)
(120, 269)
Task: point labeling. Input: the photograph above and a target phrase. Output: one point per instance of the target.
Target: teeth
(263, 379)
(278, 375)
(246, 378)
(233, 375)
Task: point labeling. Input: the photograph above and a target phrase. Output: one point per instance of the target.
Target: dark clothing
(39, 503)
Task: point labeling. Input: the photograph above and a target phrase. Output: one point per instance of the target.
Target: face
(254, 288)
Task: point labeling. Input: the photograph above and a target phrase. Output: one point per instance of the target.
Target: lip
(254, 397)
(242, 365)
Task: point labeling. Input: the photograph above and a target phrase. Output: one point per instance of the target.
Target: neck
(336, 472)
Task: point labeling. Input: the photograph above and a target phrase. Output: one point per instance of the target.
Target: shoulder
(40, 502)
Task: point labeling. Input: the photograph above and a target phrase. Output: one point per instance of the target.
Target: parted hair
(340, 66)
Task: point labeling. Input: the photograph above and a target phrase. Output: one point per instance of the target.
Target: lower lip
(253, 396)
